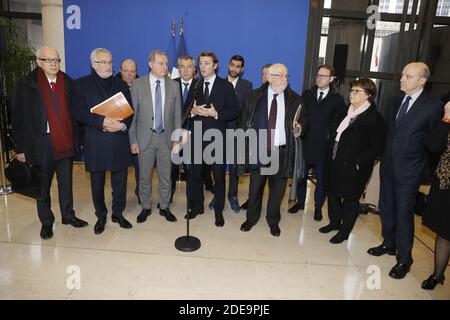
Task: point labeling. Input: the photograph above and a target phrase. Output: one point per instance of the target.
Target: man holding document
(106, 143)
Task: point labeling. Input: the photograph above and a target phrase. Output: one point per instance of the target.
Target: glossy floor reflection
(142, 263)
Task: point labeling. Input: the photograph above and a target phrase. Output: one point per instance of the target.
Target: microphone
(188, 110)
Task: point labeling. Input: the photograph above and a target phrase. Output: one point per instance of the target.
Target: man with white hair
(271, 108)
(46, 135)
(106, 144)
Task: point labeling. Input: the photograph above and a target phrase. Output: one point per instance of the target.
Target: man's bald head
(128, 70)
(414, 77)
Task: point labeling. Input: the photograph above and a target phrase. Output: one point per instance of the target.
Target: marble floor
(142, 263)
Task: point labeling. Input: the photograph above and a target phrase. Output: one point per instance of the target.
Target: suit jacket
(141, 130)
(29, 118)
(103, 151)
(190, 96)
(405, 155)
(224, 99)
(243, 89)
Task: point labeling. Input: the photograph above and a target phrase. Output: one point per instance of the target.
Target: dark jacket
(243, 89)
(405, 156)
(29, 118)
(246, 121)
(323, 116)
(104, 151)
(224, 99)
(359, 145)
(187, 104)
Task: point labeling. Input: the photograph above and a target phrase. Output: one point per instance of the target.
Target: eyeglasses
(356, 91)
(50, 60)
(105, 63)
(322, 76)
(280, 75)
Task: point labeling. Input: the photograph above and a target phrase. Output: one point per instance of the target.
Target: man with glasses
(271, 108)
(326, 107)
(106, 143)
(410, 119)
(46, 134)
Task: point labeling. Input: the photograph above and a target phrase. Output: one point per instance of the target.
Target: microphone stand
(188, 243)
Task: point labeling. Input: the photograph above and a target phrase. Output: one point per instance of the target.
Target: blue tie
(403, 109)
(185, 92)
(158, 109)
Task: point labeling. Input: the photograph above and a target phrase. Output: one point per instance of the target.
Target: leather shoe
(296, 207)
(318, 214)
(219, 220)
(244, 205)
(143, 215)
(47, 232)
(247, 226)
(432, 281)
(338, 238)
(234, 203)
(123, 223)
(193, 214)
(169, 215)
(75, 222)
(100, 225)
(211, 204)
(275, 230)
(328, 228)
(381, 250)
(399, 271)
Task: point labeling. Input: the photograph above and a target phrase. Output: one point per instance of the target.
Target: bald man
(409, 120)
(46, 135)
(272, 106)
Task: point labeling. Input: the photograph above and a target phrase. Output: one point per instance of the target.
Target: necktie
(403, 109)
(53, 86)
(320, 97)
(272, 121)
(206, 95)
(185, 91)
(158, 108)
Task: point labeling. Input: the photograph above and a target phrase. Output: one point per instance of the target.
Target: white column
(53, 27)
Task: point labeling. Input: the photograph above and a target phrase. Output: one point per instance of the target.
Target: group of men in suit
(48, 103)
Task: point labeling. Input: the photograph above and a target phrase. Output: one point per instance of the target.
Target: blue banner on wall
(262, 31)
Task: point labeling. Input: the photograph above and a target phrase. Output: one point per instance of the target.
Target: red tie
(53, 85)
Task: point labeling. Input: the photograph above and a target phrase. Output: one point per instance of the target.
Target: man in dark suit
(216, 104)
(409, 121)
(270, 108)
(106, 143)
(128, 73)
(46, 134)
(242, 88)
(326, 107)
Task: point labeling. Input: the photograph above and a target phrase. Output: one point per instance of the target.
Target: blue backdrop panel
(262, 31)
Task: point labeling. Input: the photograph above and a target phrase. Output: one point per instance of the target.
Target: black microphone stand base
(187, 243)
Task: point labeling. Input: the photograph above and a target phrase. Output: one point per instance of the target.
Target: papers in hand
(296, 122)
(116, 107)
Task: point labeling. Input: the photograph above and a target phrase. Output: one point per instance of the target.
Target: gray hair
(96, 51)
(154, 53)
(186, 57)
(425, 72)
(39, 51)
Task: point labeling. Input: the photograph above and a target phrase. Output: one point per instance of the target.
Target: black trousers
(277, 186)
(196, 194)
(342, 212)
(63, 169)
(119, 192)
(233, 181)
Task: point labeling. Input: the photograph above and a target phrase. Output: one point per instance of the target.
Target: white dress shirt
(280, 133)
(413, 96)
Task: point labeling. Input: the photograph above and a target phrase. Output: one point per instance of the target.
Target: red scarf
(59, 121)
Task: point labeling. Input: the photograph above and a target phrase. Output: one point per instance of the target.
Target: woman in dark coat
(354, 145)
(437, 212)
